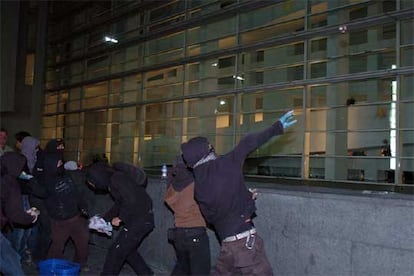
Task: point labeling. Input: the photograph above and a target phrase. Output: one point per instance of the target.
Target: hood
(12, 163)
(180, 176)
(29, 150)
(195, 149)
(50, 162)
(52, 145)
(135, 173)
(99, 174)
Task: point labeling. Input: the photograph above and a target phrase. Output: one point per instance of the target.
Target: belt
(240, 236)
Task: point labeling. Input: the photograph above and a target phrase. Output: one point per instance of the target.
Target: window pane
(273, 21)
(164, 83)
(407, 84)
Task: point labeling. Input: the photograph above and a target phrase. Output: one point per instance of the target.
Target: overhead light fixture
(214, 64)
(110, 39)
(238, 77)
(222, 102)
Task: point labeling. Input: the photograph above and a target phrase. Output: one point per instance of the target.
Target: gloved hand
(84, 213)
(287, 119)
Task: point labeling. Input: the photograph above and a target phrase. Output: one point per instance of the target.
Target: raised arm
(255, 139)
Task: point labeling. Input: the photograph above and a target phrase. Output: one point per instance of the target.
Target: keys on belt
(241, 235)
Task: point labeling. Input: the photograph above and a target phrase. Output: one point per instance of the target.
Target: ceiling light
(110, 39)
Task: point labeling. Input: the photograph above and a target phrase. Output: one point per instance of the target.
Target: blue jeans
(9, 258)
(19, 237)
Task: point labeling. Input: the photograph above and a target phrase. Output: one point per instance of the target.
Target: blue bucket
(58, 267)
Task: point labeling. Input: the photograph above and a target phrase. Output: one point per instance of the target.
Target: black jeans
(192, 248)
(124, 249)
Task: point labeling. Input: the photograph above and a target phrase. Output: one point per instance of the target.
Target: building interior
(132, 80)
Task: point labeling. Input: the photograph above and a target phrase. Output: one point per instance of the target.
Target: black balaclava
(99, 174)
(195, 149)
(50, 162)
(52, 145)
(179, 176)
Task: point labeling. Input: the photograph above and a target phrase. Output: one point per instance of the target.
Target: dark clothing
(192, 248)
(131, 200)
(235, 259)
(136, 174)
(64, 201)
(75, 228)
(124, 249)
(64, 205)
(52, 146)
(220, 191)
(133, 206)
(11, 207)
(44, 229)
(179, 177)
(63, 198)
(194, 150)
(79, 178)
(38, 199)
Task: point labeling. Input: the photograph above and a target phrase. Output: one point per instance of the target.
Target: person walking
(189, 236)
(11, 210)
(132, 208)
(227, 204)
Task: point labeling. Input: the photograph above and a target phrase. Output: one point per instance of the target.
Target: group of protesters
(41, 204)
(203, 189)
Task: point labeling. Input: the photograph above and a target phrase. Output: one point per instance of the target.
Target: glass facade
(135, 79)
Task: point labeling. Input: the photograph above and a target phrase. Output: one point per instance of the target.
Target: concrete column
(9, 36)
(40, 64)
(337, 118)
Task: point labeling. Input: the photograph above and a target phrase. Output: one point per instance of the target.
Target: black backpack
(135, 173)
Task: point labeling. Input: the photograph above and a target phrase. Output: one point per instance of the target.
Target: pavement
(95, 262)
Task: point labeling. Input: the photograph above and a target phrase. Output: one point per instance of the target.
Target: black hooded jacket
(11, 209)
(63, 200)
(220, 191)
(132, 203)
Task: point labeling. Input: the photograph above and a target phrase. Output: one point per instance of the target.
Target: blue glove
(287, 119)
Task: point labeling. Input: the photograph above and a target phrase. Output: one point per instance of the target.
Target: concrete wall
(313, 233)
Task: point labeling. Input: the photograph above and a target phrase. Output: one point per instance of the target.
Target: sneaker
(28, 259)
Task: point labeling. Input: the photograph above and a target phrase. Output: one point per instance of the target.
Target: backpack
(135, 173)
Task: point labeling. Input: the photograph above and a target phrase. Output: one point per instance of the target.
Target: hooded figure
(99, 175)
(55, 145)
(132, 207)
(63, 199)
(11, 211)
(225, 201)
(29, 148)
(195, 149)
